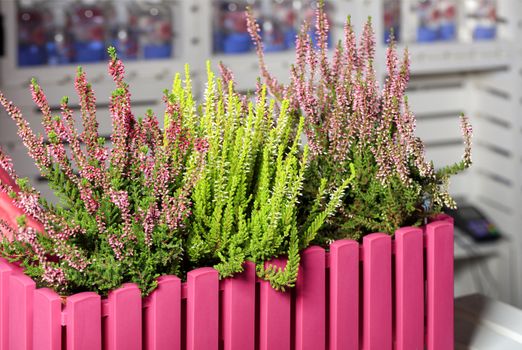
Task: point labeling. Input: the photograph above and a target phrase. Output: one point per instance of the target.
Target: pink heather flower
(28, 202)
(6, 163)
(116, 70)
(71, 135)
(467, 133)
(162, 175)
(149, 223)
(96, 176)
(72, 256)
(35, 145)
(121, 200)
(201, 145)
(404, 74)
(302, 46)
(100, 223)
(254, 30)
(117, 245)
(322, 28)
(226, 74)
(57, 228)
(336, 65)
(139, 155)
(123, 129)
(54, 276)
(123, 120)
(351, 58)
(41, 101)
(53, 127)
(6, 230)
(177, 210)
(87, 197)
(367, 45)
(418, 152)
(88, 110)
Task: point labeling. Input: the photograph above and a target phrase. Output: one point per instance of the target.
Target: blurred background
(466, 57)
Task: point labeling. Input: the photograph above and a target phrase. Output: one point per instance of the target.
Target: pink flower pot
(382, 294)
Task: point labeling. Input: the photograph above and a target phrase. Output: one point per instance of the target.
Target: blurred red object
(9, 212)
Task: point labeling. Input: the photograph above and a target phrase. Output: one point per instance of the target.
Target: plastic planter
(380, 294)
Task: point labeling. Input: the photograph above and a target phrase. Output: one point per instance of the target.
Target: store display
(286, 14)
(392, 19)
(279, 22)
(124, 29)
(428, 16)
(155, 29)
(57, 32)
(234, 36)
(88, 20)
(448, 20)
(481, 16)
(272, 34)
(271, 31)
(32, 16)
(309, 16)
(437, 20)
(59, 43)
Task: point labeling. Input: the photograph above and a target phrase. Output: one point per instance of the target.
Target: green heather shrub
(350, 121)
(246, 205)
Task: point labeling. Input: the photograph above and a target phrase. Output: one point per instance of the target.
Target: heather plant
(246, 205)
(122, 208)
(350, 120)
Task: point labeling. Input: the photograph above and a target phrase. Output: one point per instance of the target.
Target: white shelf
(453, 57)
(63, 75)
(466, 248)
(246, 66)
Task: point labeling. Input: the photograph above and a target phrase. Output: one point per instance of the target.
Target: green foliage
(246, 203)
(111, 50)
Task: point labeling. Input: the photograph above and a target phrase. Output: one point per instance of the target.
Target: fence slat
(409, 288)
(344, 295)
(123, 328)
(202, 309)
(83, 321)
(439, 250)
(274, 314)
(239, 307)
(310, 303)
(21, 290)
(47, 320)
(377, 299)
(6, 269)
(163, 316)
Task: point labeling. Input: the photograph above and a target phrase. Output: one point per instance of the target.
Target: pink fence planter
(386, 293)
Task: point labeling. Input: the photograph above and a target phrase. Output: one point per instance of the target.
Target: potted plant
(228, 183)
(350, 123)
(123, 211)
